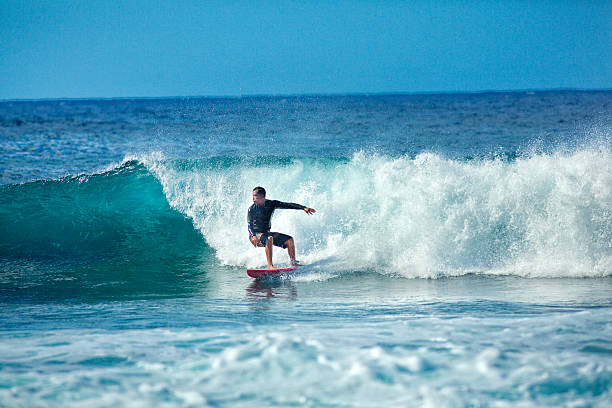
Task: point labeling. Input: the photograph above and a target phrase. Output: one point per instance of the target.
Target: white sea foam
(355, 363)
(546, 215)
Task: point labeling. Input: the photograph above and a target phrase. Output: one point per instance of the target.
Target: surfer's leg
(286, 242)
(291, 249)
(269, 252)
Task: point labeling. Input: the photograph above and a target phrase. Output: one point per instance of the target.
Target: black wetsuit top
(259, 216)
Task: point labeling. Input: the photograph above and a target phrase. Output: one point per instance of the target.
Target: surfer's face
(258, 198)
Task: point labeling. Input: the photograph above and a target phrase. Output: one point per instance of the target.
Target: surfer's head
(259, 195)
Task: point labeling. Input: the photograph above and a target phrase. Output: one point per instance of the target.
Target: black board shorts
(279, 238)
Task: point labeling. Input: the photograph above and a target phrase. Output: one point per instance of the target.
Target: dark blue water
(460, 255)
(76, 136)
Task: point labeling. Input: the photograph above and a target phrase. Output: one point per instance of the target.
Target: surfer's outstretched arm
(293, 206)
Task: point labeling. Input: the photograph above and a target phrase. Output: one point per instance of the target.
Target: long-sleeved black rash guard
(259, 216)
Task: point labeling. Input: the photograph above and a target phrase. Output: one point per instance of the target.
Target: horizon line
(315, 94)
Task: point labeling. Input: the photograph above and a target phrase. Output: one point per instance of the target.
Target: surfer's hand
(309, 210)
(254, 241)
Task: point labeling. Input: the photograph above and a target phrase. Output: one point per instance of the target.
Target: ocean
(460, 256)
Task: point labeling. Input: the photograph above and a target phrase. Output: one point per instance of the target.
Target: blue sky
(57, 48)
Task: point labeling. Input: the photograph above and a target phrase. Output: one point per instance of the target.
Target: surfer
(258, 219)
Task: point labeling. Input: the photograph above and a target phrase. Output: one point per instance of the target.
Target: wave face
(547, 215)
(111, 234)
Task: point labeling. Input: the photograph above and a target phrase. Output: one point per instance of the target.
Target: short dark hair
(260, 191)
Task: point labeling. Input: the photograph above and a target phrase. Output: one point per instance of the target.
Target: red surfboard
(260, 273)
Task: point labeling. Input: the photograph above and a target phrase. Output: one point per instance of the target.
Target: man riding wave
(258, 218)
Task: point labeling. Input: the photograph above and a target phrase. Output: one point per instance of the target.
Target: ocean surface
(460, 256)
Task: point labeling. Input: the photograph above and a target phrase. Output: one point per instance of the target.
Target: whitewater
(540, 216)
(461, 253)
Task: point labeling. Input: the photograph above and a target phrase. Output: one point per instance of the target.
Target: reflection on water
(272, 288)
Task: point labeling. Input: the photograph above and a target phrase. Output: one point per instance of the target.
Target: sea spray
(545, 215)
